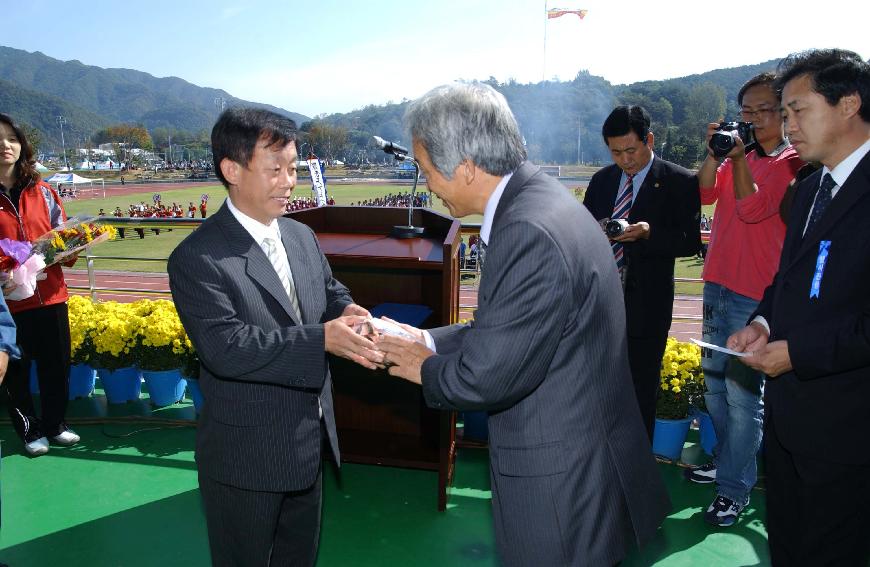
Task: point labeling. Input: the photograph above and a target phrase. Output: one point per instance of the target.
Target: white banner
(317, 184)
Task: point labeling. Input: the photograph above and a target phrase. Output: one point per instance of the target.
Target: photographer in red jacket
(29, 208)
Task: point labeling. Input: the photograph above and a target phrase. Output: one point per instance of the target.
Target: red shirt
(747, 235)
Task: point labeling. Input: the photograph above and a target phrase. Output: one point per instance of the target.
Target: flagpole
(544, 59)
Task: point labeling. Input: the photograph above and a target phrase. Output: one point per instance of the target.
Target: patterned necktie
(823, 199)
(271, 250)
(481, 253)
(620, 211)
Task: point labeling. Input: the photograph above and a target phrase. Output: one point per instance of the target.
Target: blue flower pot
(670, 436)
(195, 394)
(34, 381)
(121, 385)
(82, 379)
(474, 425)
(166, 387)
(706, 432)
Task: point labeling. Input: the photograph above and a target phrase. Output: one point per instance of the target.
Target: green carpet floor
(127, 496)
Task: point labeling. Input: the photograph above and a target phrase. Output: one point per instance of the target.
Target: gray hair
(463, 121)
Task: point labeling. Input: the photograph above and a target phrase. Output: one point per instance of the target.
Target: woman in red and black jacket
(29, 208)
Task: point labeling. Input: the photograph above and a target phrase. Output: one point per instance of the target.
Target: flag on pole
(558, 12)
(318, 183)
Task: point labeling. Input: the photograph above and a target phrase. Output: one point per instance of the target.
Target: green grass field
(160, 246)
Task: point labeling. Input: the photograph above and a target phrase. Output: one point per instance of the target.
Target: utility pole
(61, 120)
(578, 144)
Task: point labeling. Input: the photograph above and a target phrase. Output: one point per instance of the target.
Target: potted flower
(82, 376)
(705, 425)
(681, 383)
(115, 334)
(191, 374)
(162, 351)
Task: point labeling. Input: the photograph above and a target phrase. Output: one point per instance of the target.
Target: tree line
(560, 121)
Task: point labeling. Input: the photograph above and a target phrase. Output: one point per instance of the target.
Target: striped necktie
(823, 199)
(620, 211)
(281, 268)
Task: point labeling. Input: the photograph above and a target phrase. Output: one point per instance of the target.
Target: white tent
(40, 168)
(97, 165)
(59, 179)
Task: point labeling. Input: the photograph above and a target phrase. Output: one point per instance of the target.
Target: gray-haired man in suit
(573, 478)
(259, 302)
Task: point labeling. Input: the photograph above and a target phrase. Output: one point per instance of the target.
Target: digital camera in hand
(615, 227)
(724, 139)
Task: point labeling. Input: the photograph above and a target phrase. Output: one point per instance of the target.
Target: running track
(687, 309)
(686, 324)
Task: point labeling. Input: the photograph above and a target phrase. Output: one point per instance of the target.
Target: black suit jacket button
(313, 400)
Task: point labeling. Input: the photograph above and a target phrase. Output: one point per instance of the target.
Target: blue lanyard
(821, 260)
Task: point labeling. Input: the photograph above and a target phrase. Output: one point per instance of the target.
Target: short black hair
(834, 73)
(625, 119)
(767, 78)
(238, 130)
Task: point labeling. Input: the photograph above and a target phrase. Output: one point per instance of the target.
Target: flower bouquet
(24, 262)
(19, 268)
(71, 237)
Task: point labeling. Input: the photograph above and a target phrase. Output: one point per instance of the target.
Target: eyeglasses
(752, 115)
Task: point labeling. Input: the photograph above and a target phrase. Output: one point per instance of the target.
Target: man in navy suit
(811, 332)
(660, 204)
(573, 479)
(258, 300)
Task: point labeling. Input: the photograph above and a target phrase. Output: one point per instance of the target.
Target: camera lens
(615, 227)
(721, 143)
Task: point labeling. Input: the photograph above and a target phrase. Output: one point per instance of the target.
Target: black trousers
(261, 529)
(43, 335)
(645, 358)
(818, 512)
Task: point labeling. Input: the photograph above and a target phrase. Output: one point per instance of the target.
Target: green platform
(127, 496)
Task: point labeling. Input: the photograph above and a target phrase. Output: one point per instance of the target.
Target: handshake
(377, 343)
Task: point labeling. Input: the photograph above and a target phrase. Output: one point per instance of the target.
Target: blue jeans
(734, 394)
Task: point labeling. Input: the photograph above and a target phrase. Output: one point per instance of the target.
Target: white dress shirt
(259, 232)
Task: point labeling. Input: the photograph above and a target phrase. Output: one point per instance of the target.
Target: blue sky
(327, 56)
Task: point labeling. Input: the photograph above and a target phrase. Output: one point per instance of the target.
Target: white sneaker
(38, 447)
(66, 438)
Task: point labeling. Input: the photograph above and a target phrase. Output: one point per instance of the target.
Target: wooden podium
(381, 419)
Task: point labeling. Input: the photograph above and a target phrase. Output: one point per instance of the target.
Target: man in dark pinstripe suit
(573, 478)
(259, 302)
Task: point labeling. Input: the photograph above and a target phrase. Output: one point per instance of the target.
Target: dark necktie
(823, 199)
(481, 253)
(620, 211)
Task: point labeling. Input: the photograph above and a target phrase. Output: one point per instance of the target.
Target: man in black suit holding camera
(659, 205)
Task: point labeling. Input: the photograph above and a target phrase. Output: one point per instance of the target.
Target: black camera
(723, 140)
(615, 227)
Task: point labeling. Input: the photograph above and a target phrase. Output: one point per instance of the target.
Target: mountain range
(36, 88)
(560, 120)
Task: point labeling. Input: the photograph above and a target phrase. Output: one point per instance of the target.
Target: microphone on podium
(401, 154)
(391, 147)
